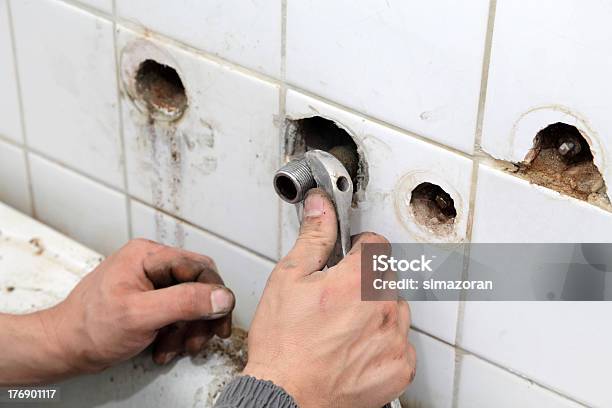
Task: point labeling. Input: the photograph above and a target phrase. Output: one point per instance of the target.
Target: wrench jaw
(319, 169)
(331, 176)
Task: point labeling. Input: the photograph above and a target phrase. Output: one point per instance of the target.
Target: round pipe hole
(160, 88)
(433, 208)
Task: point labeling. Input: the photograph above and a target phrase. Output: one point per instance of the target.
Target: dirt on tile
(568, 170)
(234, 350)
(38, 245)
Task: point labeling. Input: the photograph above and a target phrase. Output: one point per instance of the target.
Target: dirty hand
(145, 292)
(313, 336)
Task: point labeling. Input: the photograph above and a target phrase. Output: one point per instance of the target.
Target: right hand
(313, 335)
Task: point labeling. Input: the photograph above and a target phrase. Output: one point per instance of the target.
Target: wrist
(31, 352)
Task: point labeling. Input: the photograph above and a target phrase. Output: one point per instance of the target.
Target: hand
(143, 293)
(314, 337)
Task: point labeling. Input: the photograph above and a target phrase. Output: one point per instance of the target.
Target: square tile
(561, 345)
(67, 71)
(394, 60)
(549, 342)
(214, 165)
(483, 385)
(248, 33)
(510, 209)
(10, 124)
(433, 384)
(86, 211)
(396, 165)
(242, 271)
(14, 189)
(552, 70)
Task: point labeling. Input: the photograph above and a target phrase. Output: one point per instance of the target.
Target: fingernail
(222, 301)
(169, 357)
(313, 205)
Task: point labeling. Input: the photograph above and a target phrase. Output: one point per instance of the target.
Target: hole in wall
(161, 90)
(561, 159)
(319, 133)
(433, 208)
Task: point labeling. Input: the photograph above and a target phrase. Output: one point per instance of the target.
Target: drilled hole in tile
(161, 90)
(433, 208)
(561, 159)
(323, 134)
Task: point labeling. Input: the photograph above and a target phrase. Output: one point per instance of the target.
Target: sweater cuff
(249, 392)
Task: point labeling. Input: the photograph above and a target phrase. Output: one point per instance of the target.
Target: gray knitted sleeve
(249, 392)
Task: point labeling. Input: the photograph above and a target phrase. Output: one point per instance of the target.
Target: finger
(197, 336)
(223, 327)
(317, 236)
(412, 360)
(183, 302)
(351, 265)
(169, 343)
(169, 266)
(403, 316)
(382, 245)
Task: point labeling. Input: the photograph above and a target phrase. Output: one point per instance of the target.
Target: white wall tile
(14, 189)
(10, 122)
(396, 164)
(248, 33)
(554, 68)
(395, 60)
(562, 345)
(243, 272)
(86, 211)
(433, 384)
(510, 209)
(214, 166)
(67, 70)
(483, 385)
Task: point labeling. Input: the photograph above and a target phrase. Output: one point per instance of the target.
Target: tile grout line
(486, 60)
(117, 190)
(21, 109)
(128, 207)
(505, 369)
(281, 120)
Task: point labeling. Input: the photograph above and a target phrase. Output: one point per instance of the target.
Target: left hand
(146, 292)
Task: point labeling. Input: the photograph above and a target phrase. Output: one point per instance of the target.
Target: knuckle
(388, 315)
(139, 243)
(404, 312)
(407, 375)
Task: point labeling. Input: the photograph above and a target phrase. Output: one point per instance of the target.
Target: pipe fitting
(293, 180)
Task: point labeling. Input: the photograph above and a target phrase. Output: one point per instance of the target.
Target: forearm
(29, 351)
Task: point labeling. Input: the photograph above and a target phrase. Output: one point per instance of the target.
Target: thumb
(317, 234)
(185, 301)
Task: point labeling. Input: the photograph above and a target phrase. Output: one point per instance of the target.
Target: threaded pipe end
(293, 180)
